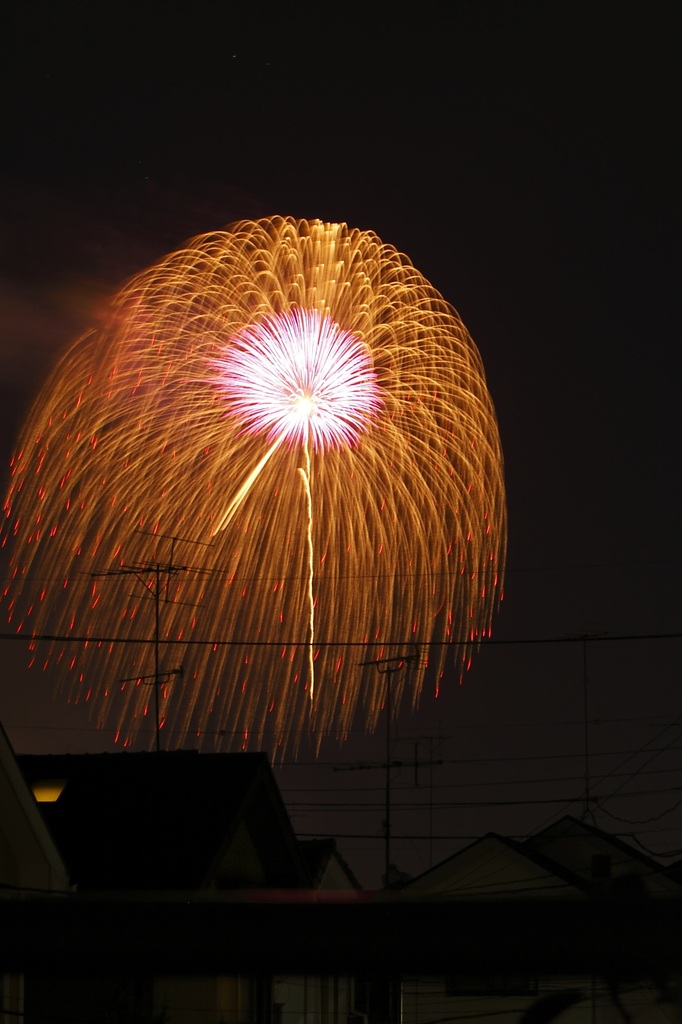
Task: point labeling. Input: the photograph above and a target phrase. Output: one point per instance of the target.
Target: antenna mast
(142, 571)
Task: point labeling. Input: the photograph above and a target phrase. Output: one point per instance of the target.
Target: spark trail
(236, 501)
(305, 474)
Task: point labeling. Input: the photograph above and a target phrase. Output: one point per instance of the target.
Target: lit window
(47, 791)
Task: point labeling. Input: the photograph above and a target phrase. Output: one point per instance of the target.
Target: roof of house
(562, 860)
(576, 845)
(169, 820)
(497, 867)
(29, 858)
(326, 866)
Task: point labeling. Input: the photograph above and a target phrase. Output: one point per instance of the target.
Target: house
(194, 902)
(603, 863)
(170, 821)
(570, 860)
(174, 823)
(29, 861)
(29, 858)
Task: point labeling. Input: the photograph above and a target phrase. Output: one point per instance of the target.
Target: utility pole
(429, 763)
(587, 735)
(588, 810)
(388, 667)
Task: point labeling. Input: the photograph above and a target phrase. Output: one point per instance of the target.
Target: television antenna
(155, 576)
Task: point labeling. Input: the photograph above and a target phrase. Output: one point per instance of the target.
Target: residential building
(29, 862)
(184, 896)
(177, 823)
(571, 860)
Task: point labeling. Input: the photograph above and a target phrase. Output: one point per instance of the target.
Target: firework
(275, 460)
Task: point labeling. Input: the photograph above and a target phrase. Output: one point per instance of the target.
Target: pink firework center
(298, 377)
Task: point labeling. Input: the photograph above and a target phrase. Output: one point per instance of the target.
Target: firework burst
(297, 377)
(307, 418)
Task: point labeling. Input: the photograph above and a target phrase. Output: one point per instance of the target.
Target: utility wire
(364, 644)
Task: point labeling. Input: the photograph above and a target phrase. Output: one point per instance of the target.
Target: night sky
(524, 155)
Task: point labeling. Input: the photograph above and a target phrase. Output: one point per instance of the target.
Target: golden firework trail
(254, 358)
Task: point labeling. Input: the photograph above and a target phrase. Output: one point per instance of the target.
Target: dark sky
(524, 156)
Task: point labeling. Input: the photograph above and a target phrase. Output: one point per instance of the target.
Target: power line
(218, 572)
(473, 836)
(459, 805)
(360, 729)
(361, 644)
(496, 784)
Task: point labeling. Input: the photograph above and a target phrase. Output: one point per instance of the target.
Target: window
(48, 791)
